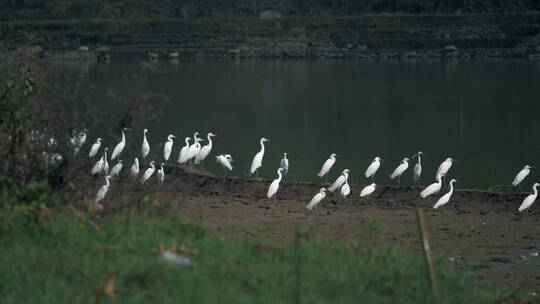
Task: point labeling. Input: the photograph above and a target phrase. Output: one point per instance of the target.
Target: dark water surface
(483, 113)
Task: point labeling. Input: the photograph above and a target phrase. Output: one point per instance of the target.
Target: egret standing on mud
(373, 167)
(182, 156)
(521, 175)
(274, 186)
(95, 148)
(195, 148)
(225, 161)
(258, 158)
(433, 188)
(339, 181)
(135, 169)
(120, 146)
(161, 174)
(148, 173)
(444, 167)
(316, 199)
(115, 171)
(368, 190)
(417, 171)
(445, 198)
(400, 169)
(284, 163)
(98, 167)
(345, 189)
(327, 166)
(145, 148)
(167, 148)
(103, 190)
(529, 200)
(201, 156)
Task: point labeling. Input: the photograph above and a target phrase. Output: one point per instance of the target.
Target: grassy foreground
(65, 260)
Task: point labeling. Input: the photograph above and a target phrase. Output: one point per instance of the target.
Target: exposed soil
(477, 230)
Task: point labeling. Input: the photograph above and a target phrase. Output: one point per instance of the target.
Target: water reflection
(482, 113)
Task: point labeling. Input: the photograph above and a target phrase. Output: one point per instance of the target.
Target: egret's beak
(173, 136)
(127, 129)
(215, 135)
(200, 139)
(455, 160)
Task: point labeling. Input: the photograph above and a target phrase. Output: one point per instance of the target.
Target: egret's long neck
(262, 146)
(209, 140)
(535, 192)
(105, 155)
(346, 176)
(144, 136)
(279, 176)
(123, 137)
(419, 159)
(451, 188)
(137, 162)
(107, 181)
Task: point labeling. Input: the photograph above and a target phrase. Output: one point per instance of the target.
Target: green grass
(56, 262)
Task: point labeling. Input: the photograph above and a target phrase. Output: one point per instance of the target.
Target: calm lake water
(483, 113)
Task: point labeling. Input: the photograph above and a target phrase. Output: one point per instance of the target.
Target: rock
(84, 49)
(174, 55)
(269, 14)
(450, 48)
(153, 56)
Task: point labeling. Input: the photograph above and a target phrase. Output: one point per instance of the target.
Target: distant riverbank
(365, 36)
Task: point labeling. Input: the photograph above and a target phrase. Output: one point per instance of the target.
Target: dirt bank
(364, 36)
(477, 230)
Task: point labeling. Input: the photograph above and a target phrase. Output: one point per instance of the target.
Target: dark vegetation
(44, 10)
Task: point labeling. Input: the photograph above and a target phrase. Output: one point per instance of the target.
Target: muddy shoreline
(477, 230)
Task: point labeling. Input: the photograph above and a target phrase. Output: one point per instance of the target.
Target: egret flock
(196, 154)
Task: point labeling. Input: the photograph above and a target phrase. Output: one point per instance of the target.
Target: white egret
(145, 148)
(373, 167)
(201, 156)
(103, 190)
(274, 186)
(400, 169)
(120, 146)
(105, 168)
(225, 161)
(195, 148)
(284, 163)
(529, 200)
(339, 181)
(521, 175)
(327, 165)
(167, 148)
(182, 156)
(135, 169)
(115, 171)
(98, 167)
(433, 188)
(95, 148)
(161, 174)
(148, 173)
(417, 171)
(258, 158)
(345, 189)
(445, 198)
(316, 199)
(77, 140)
(444, 167)
(368, 190)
